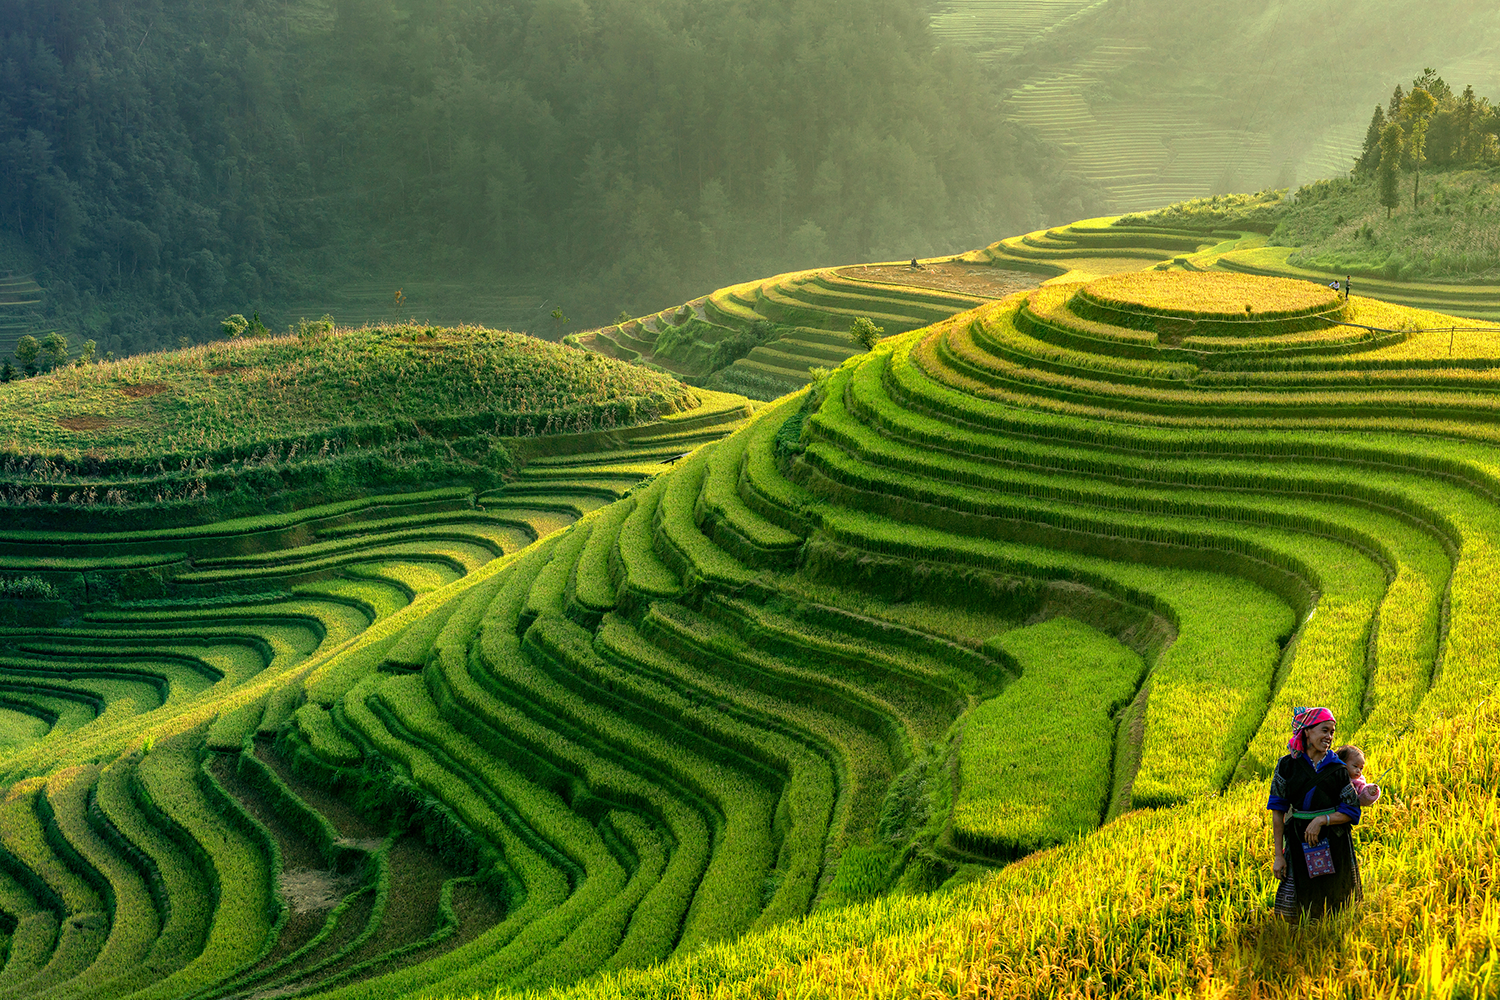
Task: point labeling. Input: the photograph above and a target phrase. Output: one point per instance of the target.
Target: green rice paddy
(705, 701)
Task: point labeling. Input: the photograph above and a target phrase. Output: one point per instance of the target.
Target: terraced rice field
(807, 315)
(670, 691)
(1477, 301)
(153, 842)
(1141, 155)
(1095, 247)
(1001, 28)
(20, 302)
(1147, 130)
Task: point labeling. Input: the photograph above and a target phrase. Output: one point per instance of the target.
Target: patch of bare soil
(313, 890)
(83, 422)
(413, 909)
(145, 389)
(968, 279)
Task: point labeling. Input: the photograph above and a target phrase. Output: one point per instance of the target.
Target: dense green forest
(167, 163)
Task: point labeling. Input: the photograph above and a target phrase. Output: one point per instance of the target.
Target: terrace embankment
(764, 338)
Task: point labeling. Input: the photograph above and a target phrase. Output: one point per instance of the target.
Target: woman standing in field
(1312, 805)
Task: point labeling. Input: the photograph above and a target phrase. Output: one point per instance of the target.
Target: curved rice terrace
(1186, 237)
(20, 309)
(1048, 568)
(761, 338)
(154, 843)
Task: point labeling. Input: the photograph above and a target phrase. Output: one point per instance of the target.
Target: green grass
(1449, 236)
(280, 396)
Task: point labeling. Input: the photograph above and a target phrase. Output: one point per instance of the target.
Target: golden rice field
(1212, 295)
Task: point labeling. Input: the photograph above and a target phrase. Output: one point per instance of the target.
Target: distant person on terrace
(1312, 806)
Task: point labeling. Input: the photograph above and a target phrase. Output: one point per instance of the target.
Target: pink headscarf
(1302, 720)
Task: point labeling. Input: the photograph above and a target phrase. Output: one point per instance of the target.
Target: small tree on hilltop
(866, 332)
(1391, 142)
(27, 350)
(86, 356)
(8, 372)
(234, 326)
(55, 347)
(1419, 106)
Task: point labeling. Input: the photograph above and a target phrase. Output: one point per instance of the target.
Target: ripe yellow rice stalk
(1211, 295)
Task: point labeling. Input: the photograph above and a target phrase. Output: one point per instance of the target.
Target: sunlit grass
(243, 394)
(1174, 902)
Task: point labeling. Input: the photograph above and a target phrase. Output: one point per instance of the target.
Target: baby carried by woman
(1354, 762)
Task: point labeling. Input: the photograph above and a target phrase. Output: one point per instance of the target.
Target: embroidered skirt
(1286, 905)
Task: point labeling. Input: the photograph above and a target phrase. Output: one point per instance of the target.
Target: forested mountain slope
(167, 164)
(1159, 100)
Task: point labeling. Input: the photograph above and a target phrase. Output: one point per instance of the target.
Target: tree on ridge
(1419, 106)
(1369, 158)
(55, 347)
(1391, 142)
(27, 350)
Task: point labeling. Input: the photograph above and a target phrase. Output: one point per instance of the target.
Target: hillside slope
(263, 423)
(1159, 101)
(393, 749)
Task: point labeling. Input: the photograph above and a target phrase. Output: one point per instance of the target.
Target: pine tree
(1433, 84)
(1468, 120)
(1369, 159)
(1393, 110)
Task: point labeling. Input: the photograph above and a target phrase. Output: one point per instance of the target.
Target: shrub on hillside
(26, 588)
(729, 350)
(27, 351)
(312, 330)
(864, 330)
(55, 348)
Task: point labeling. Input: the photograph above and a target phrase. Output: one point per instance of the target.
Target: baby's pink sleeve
(1368, 794)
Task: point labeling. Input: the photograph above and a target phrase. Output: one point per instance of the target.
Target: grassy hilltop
(957, 670)
(232, 397)
(275, 422)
